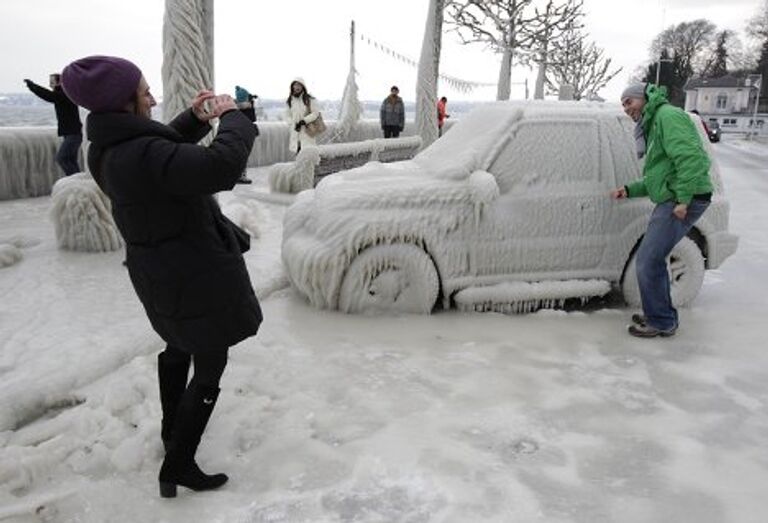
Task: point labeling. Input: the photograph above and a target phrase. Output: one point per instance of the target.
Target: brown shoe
(646, 331)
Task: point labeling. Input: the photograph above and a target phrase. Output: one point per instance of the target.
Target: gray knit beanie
(634, 91)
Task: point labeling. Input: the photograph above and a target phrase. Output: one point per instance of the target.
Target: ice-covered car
(510, 210)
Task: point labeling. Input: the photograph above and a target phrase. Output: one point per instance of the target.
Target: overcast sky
(263, 44)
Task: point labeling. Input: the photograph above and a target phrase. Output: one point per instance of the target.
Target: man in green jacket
(676, 179)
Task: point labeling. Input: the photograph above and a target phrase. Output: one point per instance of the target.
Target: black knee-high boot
(172, 373)
(179, 467)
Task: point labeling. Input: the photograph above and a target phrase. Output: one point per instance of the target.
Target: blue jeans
(663, 233)
(66, 156)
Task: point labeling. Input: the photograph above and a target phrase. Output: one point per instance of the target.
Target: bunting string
(464, 86)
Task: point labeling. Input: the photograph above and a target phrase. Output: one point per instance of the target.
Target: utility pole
(658, 67)
(658, 64)
(352, 45)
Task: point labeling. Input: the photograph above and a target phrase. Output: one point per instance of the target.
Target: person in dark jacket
(392, 114)
(183, 256)
(68, 119)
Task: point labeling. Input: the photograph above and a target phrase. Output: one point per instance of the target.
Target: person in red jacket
(441, 115)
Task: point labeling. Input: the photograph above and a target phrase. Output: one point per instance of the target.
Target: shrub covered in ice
(82, 216)
(9, 254)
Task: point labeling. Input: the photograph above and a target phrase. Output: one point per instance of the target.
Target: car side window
(621, 139)
(543, 153)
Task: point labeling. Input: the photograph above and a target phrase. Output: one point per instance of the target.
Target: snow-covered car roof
(468, 146)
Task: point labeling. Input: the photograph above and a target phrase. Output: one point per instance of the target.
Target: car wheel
(390, 278)
(685, 266)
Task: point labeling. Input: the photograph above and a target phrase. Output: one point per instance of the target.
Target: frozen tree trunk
(187, 53)
(429, 69)
(538, 93)
(504, 88)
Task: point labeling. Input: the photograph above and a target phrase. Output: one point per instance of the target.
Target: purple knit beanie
(101, 83)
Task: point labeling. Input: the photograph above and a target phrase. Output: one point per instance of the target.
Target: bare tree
(686, 42)
(550, 25)
(740, 57)
(757, 26)
(578, 63)
(499, 24)
(757, 30)
(429, 70)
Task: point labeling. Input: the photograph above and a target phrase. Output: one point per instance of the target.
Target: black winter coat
(183, 255)
(67, 113)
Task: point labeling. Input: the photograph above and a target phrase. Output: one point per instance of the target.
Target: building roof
(723, 81)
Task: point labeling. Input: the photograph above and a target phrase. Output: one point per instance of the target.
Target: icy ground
(454, 417)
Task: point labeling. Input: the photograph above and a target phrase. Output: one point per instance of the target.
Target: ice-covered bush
(9, 254)
(82, 216)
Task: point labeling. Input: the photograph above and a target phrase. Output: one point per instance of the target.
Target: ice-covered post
(429, 70)
(350, 104)
(187, 53)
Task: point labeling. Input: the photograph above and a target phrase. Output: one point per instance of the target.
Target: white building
(728, 100)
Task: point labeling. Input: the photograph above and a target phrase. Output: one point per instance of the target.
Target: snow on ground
(454, 417)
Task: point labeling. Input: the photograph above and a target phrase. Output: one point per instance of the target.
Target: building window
(722, 100)
(729, 121)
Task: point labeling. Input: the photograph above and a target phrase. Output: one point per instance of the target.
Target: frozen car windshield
(468, 144)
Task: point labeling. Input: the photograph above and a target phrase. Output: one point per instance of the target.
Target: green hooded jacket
(676, 163)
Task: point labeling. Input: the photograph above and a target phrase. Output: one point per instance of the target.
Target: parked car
(714, 131)
(510, 210)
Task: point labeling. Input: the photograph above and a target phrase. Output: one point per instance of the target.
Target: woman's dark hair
(305, 96)
(134, 101)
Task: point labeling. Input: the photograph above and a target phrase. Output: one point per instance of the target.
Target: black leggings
(209, 366)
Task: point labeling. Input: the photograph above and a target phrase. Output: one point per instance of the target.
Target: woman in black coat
(183, 256)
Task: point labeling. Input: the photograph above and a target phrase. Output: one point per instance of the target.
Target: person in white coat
(302, 109)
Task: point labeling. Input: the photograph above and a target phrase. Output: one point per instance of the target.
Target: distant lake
(42, 114)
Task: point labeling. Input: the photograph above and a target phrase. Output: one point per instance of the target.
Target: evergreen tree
(718, 66)
(672, 76)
